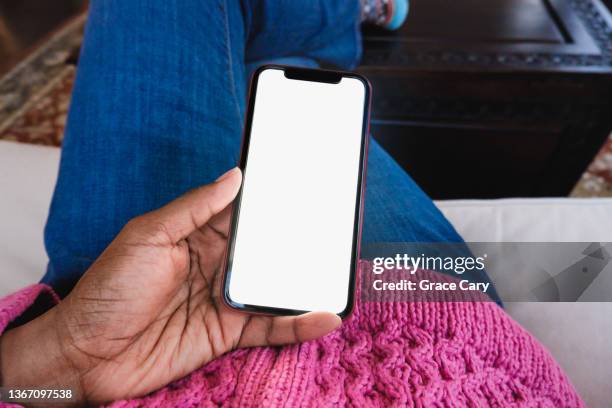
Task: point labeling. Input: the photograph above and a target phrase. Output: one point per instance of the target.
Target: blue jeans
(158, 108)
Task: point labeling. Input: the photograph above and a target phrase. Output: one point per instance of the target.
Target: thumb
(192, 210)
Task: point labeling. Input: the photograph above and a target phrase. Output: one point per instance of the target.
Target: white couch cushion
(532, 219)
(27, 178)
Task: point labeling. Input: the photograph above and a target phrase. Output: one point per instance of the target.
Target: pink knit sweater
(420, 354)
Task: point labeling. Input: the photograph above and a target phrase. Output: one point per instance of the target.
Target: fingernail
(227, 174)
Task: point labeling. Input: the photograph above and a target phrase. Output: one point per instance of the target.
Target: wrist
(32, 356)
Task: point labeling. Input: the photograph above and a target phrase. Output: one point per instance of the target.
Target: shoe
(389, 14)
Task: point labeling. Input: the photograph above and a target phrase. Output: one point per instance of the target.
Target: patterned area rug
(597, 180)
(35, 95)
(34, 100)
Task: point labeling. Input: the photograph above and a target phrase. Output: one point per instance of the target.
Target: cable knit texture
(387, 354)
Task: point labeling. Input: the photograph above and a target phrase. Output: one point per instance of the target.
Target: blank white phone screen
(294, 234)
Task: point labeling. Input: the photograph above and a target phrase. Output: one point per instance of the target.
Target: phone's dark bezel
(315, 75)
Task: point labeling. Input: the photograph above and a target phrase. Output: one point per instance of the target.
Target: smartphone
(296, 223)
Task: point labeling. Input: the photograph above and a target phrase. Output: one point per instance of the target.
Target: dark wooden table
(494, 98)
